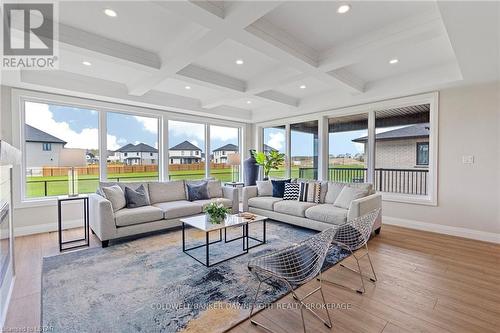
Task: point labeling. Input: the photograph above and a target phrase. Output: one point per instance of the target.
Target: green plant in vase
(270, 161)
(216, 212)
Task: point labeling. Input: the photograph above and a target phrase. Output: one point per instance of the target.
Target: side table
(86, 227)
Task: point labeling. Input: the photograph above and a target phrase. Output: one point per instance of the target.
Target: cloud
(149, 124)
(189, 130)
(276, 140)
(223, 133)
(39, 116)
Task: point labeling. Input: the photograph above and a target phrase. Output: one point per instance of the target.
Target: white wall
(468, 194)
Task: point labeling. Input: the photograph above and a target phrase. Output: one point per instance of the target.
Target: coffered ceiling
(254, 61)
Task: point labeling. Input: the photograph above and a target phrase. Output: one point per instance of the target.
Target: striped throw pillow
(291, 191)
(310, 192)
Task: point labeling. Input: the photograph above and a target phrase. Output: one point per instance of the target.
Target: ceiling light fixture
(239, 62)
(393, 61)
(110, 12)
(302, 86)
(343, 9)
(249, 102)
(187, 87)
(87, 63)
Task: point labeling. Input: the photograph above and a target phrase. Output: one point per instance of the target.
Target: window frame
(18, 97)
(46, 146)
(431, 199)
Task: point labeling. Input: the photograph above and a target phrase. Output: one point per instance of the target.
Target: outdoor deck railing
(404, 181)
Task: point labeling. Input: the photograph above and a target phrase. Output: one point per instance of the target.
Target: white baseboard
(443, 229)
(48, 227)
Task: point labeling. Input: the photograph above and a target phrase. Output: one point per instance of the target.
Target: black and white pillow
(309, 191)
(291, 191)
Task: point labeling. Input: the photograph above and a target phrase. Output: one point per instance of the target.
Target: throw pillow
(116, 196)
(136, 198)
(291, 191)
(309, 192)
(215, 189)
(264, 188)
(198, 191)
(347, 195)
(333, 191)
(279, 187)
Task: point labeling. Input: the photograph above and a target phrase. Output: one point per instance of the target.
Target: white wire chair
(352, 236)
(294, 266)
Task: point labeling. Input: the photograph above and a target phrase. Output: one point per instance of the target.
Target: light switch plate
(468, 159)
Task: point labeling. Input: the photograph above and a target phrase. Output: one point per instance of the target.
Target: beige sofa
(311, 215)
(168, 204)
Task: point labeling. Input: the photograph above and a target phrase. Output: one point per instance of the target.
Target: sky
(79, 128)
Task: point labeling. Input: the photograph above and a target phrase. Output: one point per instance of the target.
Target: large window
(275, 139)
(347, 148)
(186, 154)
(52, 132)
(402, 150)
(225, 158)
(132, 144)
(304, 150)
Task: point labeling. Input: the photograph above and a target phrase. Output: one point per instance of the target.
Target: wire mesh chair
(352, 236)
(294, 266)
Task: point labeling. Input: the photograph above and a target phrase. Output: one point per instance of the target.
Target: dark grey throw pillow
(136, 198)
(198, 191)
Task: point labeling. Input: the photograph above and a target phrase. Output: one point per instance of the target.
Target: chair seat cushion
(203, 203)
(327, 213)
(179, 208)
(296, 208)
(131, 216)
(263, 202)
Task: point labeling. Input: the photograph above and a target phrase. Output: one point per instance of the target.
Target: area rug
(150, 285)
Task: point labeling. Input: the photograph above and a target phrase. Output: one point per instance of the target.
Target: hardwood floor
(426, 283)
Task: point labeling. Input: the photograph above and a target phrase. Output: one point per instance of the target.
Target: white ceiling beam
(348, 78)
(238, 16)
(214, 79)
(279, 97)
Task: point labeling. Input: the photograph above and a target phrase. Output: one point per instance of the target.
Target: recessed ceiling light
(87, 63)
(187, 87)
(343, 9)
(239, 62)
(110, 12)
(302, 86)
(393, 61)
(249, 102)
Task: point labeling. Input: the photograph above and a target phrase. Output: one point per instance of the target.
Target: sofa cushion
(296, 208)
(167, 191)
(131, 216)
(133, 185)
(264, 188)
(263, 202)
(116, 196)
(203, 203)
(333, 191)
(347, 195)
(180, 208)
(327, 213)
(214, 187)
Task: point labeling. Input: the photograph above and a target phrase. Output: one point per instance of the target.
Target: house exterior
(185, 153)
(220, 155)
(268, 148)
(139, 154)
(42, 149)
(402, 148)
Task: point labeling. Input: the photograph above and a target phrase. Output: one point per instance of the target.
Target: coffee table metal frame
(245, 237)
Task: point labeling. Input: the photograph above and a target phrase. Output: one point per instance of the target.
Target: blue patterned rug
(150, 285)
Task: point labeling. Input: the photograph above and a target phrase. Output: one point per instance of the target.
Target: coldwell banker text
(28, 36)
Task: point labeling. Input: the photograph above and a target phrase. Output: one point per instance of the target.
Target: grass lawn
(51, 186)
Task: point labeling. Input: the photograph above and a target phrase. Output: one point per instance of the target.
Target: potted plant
(270, 161)
(216, 212)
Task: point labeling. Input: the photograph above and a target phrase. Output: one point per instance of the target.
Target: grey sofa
(311, 215)
(168, 204)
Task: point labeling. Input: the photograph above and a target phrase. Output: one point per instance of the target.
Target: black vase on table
(251, 169)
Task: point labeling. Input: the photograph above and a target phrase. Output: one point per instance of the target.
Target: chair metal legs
(302, 305)
(372, 278)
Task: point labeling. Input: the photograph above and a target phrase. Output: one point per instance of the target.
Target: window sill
(426, 200)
